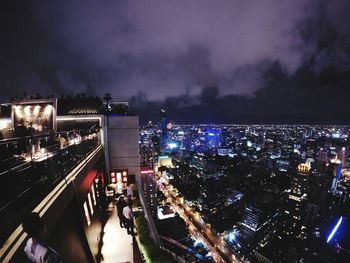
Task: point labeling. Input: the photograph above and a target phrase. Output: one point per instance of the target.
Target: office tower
(257, 224)
(149, 189)
(334, 174)
(163, 126)
(292, 225)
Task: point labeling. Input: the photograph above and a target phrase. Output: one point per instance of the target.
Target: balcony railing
(30, 167)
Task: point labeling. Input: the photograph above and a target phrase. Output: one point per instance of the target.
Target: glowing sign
(146, 171)
(335, 229)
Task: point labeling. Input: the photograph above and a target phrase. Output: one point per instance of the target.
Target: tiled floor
(117, 244)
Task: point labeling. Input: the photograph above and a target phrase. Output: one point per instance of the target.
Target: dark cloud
(207, 61)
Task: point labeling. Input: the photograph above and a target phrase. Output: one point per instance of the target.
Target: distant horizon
(205, 61)
(257, 124)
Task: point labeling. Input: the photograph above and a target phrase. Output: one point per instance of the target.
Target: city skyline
(234, 62)
(255, 193)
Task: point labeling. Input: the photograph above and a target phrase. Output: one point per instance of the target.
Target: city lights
(172, 145)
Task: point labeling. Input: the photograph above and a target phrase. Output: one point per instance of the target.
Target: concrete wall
(123, 147)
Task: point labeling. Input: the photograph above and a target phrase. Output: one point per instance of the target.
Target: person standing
(30, 129)
(129, 218)
(120, 206)
(21, 132)
(129, 191)
(36, 250)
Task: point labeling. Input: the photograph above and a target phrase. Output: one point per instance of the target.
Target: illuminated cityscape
(156, 131)
(261, 193)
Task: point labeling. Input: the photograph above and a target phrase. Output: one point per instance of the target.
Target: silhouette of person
(120, 206)
(129, 218)
(129, 191)
(36, 250)
(3, 151)
(31, 130)
(21, 132)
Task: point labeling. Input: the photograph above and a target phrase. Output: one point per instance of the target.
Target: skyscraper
(163, 126)
(149, 188)
(258, 222)
(292, 225)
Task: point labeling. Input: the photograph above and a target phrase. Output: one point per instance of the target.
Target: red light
(125, 179)
(113, 174)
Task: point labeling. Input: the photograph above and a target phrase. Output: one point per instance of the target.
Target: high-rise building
(164, 129)
(292, 225)
(256, 225)
(149, 189)
(334, 173)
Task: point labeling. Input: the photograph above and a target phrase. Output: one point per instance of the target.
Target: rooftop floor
(117, 245)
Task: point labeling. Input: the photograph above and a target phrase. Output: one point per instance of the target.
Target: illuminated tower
(258, 222)
(149, 188)
(335, 167)
(292, 225)
(163, 126)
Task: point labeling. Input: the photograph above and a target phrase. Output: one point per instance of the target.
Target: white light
(48, 110)
(27, 110)
(87, 216)
(172, 145)
(18, 112)
(197, 243)
(4, 123)
(93, 193)
(160, 214)
(36, 110)
(90, 204)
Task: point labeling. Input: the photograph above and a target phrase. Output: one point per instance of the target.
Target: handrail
(40, 135)
(21, 188)
(15, 236)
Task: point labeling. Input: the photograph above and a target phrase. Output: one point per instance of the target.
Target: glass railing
(30, 167)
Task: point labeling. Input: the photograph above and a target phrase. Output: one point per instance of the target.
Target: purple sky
(178, 52)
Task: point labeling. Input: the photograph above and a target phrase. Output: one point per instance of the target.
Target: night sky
(204, 61)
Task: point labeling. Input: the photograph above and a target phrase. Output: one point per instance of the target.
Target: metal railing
(31, 166)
